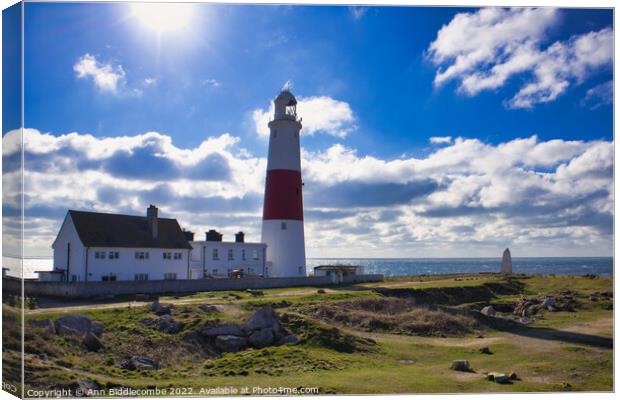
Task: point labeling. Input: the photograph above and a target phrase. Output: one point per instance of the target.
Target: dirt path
(584, 334)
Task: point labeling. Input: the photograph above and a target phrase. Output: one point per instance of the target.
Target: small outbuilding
(338, 271)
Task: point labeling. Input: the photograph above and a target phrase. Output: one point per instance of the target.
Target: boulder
(140, 363)
(500, 378)
(223, 330)
(73, 324)
(548, 303)
(321, 291)
(255, 292)
(44, 324)
(489, 311)
(230, 343)
(164, 324)
(513, 376)
(91, 342)
(289, 339)
(261, 338)
(208, 308)
(264, 317)
(485, 350)
(87, 387)
(461, 365)
(167, 324)
(160, 308)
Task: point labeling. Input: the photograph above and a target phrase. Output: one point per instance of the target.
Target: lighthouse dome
(285, 105)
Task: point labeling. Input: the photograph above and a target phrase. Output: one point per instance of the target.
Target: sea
(603, 266)
(434, 266)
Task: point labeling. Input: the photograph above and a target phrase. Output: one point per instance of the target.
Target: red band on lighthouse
(283, 195)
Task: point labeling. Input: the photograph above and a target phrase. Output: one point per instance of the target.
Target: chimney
(188, 235)
(214, 236)
(151, 216)
(239, 237)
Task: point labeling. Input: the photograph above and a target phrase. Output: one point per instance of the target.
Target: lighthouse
(283, 214)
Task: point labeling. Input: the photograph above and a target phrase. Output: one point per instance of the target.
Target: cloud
(357, 11)
(320, 114)
(484, 49)
(106, 77)
(600, 95)
(150, 81)
(441, 139)
(467, 196)
(211, 82)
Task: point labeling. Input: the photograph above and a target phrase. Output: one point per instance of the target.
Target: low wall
(350, 279)
(101, 289)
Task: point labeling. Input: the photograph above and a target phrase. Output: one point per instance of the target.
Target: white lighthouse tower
(283, 213)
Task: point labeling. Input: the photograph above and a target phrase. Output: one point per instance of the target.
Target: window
(283, 226)
(170, 276)
(216, 256)
(113, 255)
(255, 254)
(108, 277)
(99, 255)
(167, 255)
(178, 256)
(141, 277)
(231, 255)
(74, 278)
(243, 254)
(215, 271)
(142, 255)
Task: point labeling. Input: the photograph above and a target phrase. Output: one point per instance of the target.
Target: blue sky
(403, 92)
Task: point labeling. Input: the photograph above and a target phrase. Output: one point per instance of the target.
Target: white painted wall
(77, 254)
(284, 150)
(286, 252)
(125, 267)
(204, 264)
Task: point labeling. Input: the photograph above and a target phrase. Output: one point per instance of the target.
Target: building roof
(117, 230)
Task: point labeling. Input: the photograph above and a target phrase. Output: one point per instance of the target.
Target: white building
(283, 214)
(109, 247)
(213, 257)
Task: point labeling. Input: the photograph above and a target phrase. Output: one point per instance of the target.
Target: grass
(367, 338)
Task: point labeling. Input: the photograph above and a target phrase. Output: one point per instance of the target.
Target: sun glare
(163, 17)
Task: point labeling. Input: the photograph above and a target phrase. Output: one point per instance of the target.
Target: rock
(485, 350)
(321, 291)
(223, 330)
(140, 363)
(289, 339)
(92, 342)
(461, 365)
(513, 376)
(87, 387)
(44, 324)
(255, 292)
(164, 324)
(548, 303)
(230, 343)
(489, 311)
(264, 317)
(73, 324)
(506, 267)
(490, 376)
(208, 308)
(526, 320)
(261, 338)
(160, 308)
(500, 378)
(167, 324)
